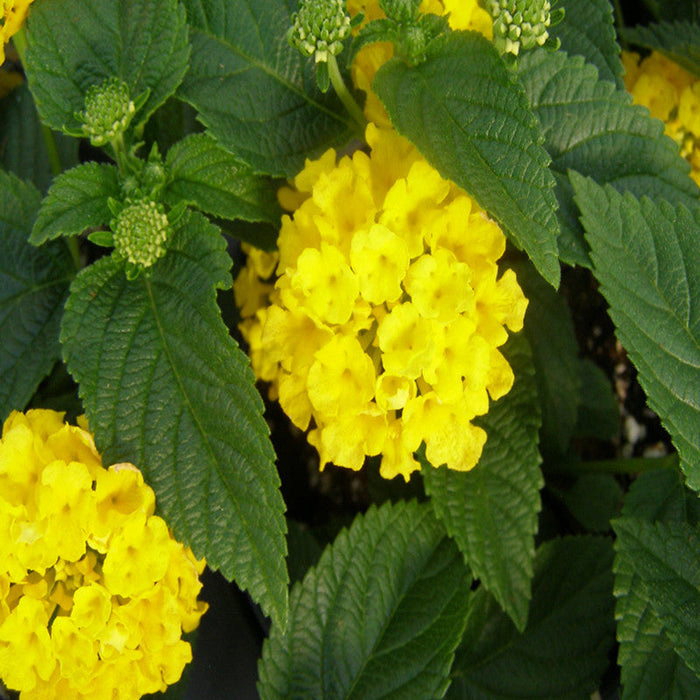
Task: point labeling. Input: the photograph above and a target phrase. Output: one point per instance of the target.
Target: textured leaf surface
(667, 560)
(598, 413)
(646, 258)
(588, 30)
(379, 617)
(596, 131)
(491, 511)
(33, 288)
(679, 41)
(76, 200)
(563, 651)
(22, 146)
(142, 42)
(210, 178)
(593, 499)
(470, 118)
(550, 331)
(166, 387)
(253, 91)
(651, 669)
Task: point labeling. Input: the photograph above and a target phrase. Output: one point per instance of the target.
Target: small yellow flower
(12, 17)
(94, 591)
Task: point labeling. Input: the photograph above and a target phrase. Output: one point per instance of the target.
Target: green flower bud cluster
(319, 28)
(522, 24)
(141, 231)
(108, 111)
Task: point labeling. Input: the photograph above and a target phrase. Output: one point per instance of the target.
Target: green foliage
(469, 117)
(209, 178)
(550, 331)
(577, 112)
(588, 31)
(593, 500)
(645, 257)
(379, 616)
(142, 42)
(562, 653)
(22, 145)
(153, 358)
(77, 200)
(491, 511)
(273, 116)
(598, 412)
(678, 41)
(33, 289)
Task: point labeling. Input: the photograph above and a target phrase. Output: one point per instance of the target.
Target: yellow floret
(382, 330)
(94, 591)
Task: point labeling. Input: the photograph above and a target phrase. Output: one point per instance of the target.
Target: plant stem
(633, 465)
(344, 94)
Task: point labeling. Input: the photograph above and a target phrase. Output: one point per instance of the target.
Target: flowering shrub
(94, 591)
(394, 304)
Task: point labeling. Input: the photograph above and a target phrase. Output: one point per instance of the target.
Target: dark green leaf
(33, 288)
(22, 145)
(470, 118)
(651, 670)
(491, 511)
(77, 200)
(598, 412)
(678, 41)
(379, 617)
(666, 558)
(596, 131)
(563, 651)
(550, 331)
(673, 9)
(202, 173)
(304, 550)
(588, 31)
(142, 42)
(646, 258)
(166, 388)
(273, 116)
(593, 499)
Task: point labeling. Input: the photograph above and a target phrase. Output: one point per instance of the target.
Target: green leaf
(166, 388)
(588, 30)
(596, 131)
(469, 117)
(646, 259)
(666, 558)
(563, 651)
(593, 499)
(673, 9)
(304, 549)
(77, 200)
(679, 41)
(379, 616)
(598, 412)
(22, 146)
(273, 115)
(651, 670)
(208, 177)
(550, 331)
(491, 511)
(142, 42)
(33, 288)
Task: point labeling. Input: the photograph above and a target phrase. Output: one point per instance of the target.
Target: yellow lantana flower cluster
(463, 14)
(671, 94)
(12, 16)
(94, 591)
(381, 330)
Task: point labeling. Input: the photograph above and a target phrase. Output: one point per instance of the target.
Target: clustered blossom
(382, 329)
(94, 591)
(463, 14)
(141, 231)
(319, 28)
(521, 24)
(108, 111)
(12, 16)
(671, 94)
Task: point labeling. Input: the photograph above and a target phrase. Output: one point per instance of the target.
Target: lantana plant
(349, 349)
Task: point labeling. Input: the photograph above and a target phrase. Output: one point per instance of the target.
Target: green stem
(633, 465)
(345, 97)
